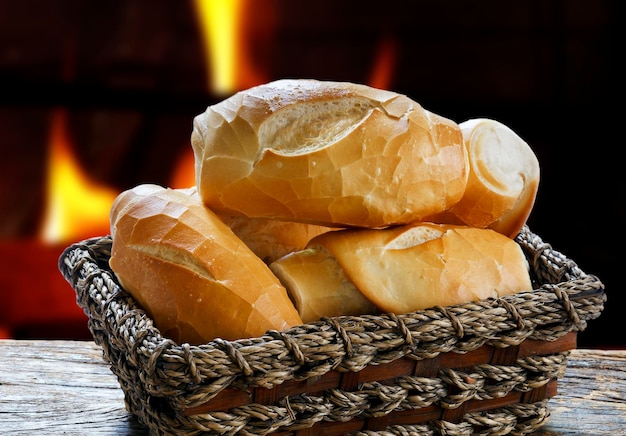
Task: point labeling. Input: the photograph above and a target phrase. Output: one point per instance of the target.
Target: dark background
(131, 75)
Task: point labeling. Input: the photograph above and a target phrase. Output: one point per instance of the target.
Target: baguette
(196, 279)
(334, 154)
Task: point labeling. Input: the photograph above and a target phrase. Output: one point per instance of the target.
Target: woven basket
(487, 367)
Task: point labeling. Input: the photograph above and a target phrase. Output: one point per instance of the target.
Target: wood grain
(60, 387)
(64, 387)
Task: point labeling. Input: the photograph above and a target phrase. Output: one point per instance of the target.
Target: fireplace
(99, 97)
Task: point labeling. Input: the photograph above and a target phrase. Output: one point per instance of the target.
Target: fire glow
(77, 207)
(222, 25)
(218, 24)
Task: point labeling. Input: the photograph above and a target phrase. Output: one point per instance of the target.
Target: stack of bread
(318, 199)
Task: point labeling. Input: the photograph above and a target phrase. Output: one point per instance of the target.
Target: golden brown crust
(272, 239)
(189, 271)
(318, 286)
(334, 154)
(413, 267)
(503, 179)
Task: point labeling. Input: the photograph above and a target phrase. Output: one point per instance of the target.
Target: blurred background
(98, 97)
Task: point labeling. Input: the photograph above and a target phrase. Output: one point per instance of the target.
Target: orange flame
(382, 72)
(76, 206)
(222, 25)
(218, 23)
(184, 175)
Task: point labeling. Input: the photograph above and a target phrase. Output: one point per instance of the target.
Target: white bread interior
(334, 154)
(407, 268)
(190, 272)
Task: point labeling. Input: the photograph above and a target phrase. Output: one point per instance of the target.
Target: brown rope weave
(487, 367)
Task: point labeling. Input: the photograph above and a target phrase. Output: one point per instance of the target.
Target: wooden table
(64, 387)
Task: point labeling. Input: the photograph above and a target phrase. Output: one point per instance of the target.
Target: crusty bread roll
(272, 239)
(407, 268)
(503, 179)
(189, 271)
(318, 286)
(335, 154)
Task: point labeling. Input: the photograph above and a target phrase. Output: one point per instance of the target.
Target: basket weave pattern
(487, 367)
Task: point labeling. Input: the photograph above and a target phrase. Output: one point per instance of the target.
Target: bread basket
(488, 367)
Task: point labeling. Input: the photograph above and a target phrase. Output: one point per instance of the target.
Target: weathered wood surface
(64, 387)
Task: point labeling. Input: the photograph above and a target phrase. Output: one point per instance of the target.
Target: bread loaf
(318, 286)
(407, 268)
(188, 270)
(503, 179)
(334, 154)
